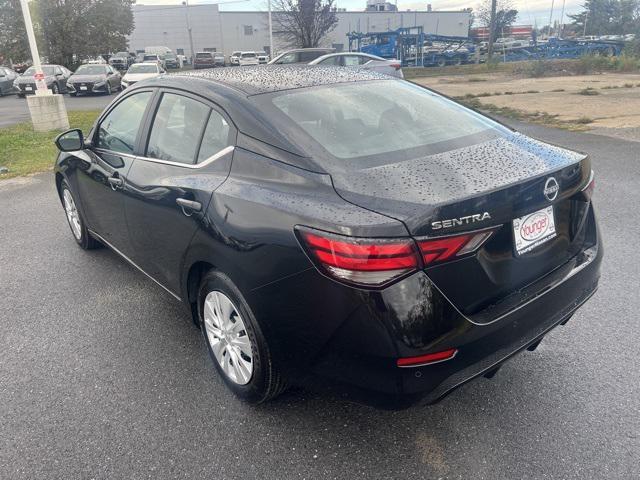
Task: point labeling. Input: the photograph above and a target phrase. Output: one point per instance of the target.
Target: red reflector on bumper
(428, 358)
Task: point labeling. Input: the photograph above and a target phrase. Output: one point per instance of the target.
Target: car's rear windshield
(248, 55)
(151, 57)
(143, 68)
(371, 118)
(91, 70)
(203, 55)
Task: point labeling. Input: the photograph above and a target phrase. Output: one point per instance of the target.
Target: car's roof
(255, 80)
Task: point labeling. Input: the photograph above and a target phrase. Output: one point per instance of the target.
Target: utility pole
(492, 27)
(271, 53)
(47, 111)
(550, 19)
(561, 31)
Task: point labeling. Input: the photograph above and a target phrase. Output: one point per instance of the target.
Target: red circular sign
(39, 76)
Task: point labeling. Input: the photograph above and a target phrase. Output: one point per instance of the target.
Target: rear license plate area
(533, 230)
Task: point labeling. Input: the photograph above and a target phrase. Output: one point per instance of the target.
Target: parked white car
(141, 71)
(363, 61)
(262, 58)
(234, 59)
(248, 58)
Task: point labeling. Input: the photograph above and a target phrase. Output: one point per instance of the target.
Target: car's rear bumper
(203, 65)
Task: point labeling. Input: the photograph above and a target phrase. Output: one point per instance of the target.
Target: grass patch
(558, 90)
(628, 85)
(474, 79)
(541, 118)
(26, 151)
(532, 91)
(588, 91)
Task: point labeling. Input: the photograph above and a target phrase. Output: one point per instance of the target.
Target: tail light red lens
(361, 261)
(376, 262)
(436, 250)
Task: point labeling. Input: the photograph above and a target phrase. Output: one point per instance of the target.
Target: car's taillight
(437, 250)
(376, 262)
(368, 262)
(395, 65)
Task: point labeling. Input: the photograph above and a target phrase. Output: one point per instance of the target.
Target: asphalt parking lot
(15, 110)
(102, 375)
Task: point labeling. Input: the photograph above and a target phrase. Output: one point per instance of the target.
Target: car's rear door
(187, 155)
(99, 172)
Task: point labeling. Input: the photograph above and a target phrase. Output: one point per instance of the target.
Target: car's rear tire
(55, 89)
(236, 343)
(75, 220)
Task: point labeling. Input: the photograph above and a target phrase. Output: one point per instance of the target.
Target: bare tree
(303, 23)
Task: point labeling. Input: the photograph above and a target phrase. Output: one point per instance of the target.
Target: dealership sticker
(533, 230)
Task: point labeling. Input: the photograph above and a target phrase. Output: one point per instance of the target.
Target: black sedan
(94, 79)
(333, 226)
(56, 77)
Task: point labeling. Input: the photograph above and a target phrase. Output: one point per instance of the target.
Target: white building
(216, 31)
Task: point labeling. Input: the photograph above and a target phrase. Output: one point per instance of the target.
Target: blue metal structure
(414, 48)
(561, 48)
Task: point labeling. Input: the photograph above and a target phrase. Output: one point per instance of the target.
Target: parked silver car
(363, 61)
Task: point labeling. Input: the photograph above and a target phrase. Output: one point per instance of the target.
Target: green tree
(77, 29)
(608, 17)
(304, 23)
(13, 37)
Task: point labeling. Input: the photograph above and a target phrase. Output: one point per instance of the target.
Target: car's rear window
(372, 118)
(248, 55)
(203, 55)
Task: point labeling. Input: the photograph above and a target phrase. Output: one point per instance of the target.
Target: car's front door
(187, 156)
(100, 173)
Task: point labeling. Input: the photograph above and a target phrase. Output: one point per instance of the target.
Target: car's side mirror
(70, 141)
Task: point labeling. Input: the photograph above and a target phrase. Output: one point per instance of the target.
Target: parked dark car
(7, 77)
(171, 60)
(94, 79)
(121, 61)
(20, 68)
(204, 60)
(300, 55)
(330, 225)
(56, 77)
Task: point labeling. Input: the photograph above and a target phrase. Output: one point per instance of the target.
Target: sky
(530, 11)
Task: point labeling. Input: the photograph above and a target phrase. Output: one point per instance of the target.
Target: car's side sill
(132, 263)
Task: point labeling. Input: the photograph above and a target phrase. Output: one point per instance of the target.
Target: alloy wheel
(72, 214)
(228, 338)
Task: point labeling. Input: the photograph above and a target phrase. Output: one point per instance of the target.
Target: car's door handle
(189, 204)
(115, 182)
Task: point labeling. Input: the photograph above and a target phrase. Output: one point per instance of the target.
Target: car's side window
(330, 61)
(177, 128)
(289, 58)
(58, 71)
(351, 60)
(118, 130)
(215, 138)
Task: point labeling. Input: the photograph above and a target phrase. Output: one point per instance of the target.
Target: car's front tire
(74, 218)
(236, 343)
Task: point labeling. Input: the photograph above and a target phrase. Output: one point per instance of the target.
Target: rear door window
(177, 128)
(216, 136)
(118, 130)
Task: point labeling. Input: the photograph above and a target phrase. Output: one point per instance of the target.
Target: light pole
(271, 55)
(47, 110)
(41, 85)
(186, 16)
